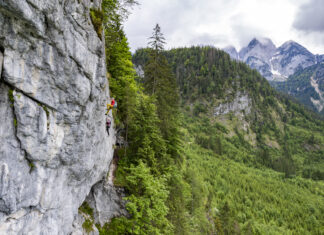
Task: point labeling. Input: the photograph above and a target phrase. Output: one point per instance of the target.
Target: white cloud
(310, 17)
(218, 22)
(309, 24)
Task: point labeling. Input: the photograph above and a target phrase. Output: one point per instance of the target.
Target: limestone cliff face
(53, 91)
(241, 103)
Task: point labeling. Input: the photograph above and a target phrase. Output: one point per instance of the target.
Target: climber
(108, 124)
(113, 104)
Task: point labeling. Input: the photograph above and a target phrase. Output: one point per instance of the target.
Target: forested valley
(194, 163)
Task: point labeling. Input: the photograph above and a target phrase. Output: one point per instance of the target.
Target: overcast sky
(228, 22)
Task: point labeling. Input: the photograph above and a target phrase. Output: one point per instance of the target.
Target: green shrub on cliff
(97, 20)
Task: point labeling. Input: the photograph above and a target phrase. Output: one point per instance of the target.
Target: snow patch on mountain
(275, 73)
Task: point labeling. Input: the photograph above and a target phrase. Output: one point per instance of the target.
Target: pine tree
(154, 68)
(160, 82)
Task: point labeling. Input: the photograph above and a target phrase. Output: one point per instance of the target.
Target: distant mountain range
(275, 64)
(307, 86)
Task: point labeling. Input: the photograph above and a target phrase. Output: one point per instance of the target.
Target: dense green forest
(188, 171)
(275, 131)
(299, 86)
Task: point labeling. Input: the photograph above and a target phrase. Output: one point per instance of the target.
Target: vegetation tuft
(85, 208)
(11, 97)
(96, 16)
(87, 225)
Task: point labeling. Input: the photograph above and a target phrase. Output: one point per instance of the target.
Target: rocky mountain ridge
(275, 64)
(307, 86)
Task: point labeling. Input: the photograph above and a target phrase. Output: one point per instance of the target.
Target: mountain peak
(231, 50)
(260, 49)
(229, 47)
(289, 43)
(294, 46)
(261, 41)
(292, 43)
(264, 40)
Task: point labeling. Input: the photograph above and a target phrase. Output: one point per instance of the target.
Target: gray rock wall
(107, 199)
(53, 91)
(241, 103)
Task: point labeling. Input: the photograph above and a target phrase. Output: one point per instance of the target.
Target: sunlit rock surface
(54, 145)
